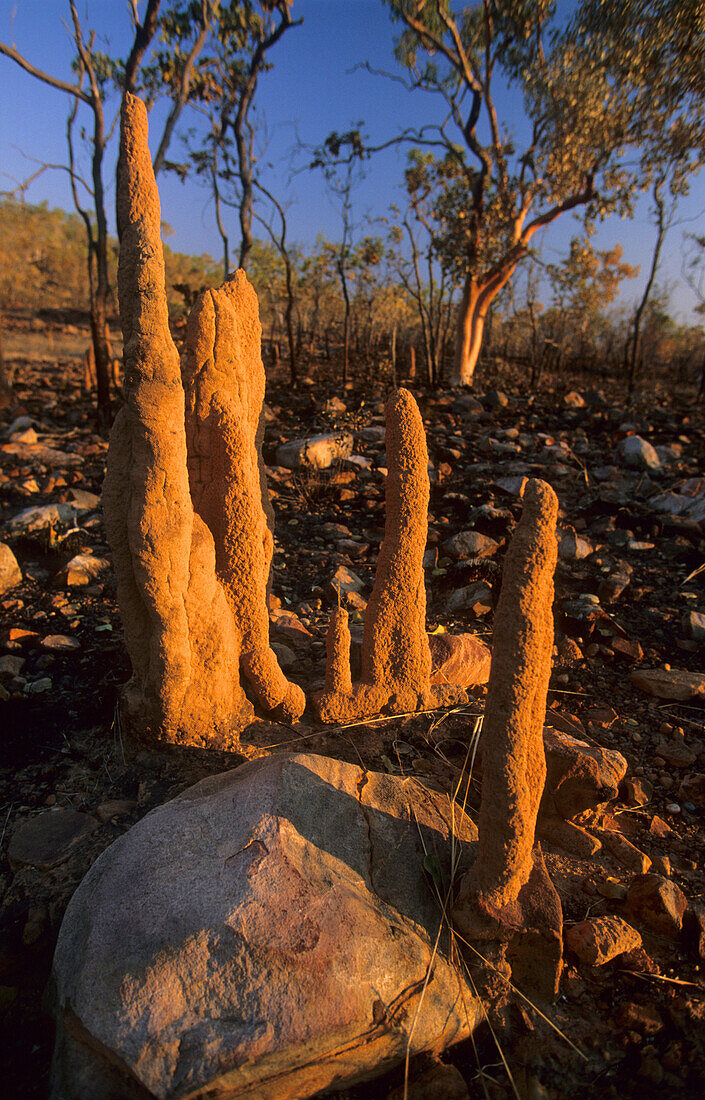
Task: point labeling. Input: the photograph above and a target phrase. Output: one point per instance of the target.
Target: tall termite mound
(396, 659)
(224, 381)
(179, 629)
(508, 889)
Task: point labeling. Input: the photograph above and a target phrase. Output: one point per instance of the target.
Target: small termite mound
(508, 892)
(396, 659)
(224, 382)
(180, 633)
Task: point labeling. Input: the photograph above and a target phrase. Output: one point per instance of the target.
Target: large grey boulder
(269, 933)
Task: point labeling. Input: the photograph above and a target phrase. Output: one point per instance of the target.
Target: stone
(625, 852)
(460, 659)
(627, 649)
(82, 569)
(39, 687)
(345, 582)
(601, 939)
(117, 807)
(692, 789)
(84, 501)
(38, 454)
(672, 684)
(612, 587)
(573, 548)
(183, 643)
(694, 929)
(694, 625)
(574, 400)
(10, 572)
(317, 452)
(636, 791)
(48, 839)
(273, 937)
(59, 643)
(579, 776)
(658, 902)
(488, 903)
(223, 378)
(11, 666)
(41, 520)
(470, 544)
(396, 659)
(472, 597)
(646, 1019)
(439, 1082)
(496, 399)
(638, 453)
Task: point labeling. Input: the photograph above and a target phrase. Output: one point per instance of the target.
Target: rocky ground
(629, 600)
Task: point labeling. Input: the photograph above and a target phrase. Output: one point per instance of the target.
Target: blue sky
(311, 90)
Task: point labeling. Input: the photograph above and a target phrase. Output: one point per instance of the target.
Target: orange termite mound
(396, 659)
(224, 381)
(191, 587)
(508, 891)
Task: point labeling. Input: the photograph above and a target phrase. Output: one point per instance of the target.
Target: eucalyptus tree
(605, 93)
(94, 76)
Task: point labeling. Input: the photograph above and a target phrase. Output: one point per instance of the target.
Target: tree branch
(70, 89)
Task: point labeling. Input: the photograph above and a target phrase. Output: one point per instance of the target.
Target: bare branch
(70, 89)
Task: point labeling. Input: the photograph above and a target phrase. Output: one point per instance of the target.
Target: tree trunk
(468, 341)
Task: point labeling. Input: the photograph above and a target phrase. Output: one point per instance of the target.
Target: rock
(345, 582)
(47, 840)
(669, 683)
(460, 659)
(627, 649)
(579, 776)
(601, 939)
(574, 400)
(694, 929)
(470, 544)
(289, 628)
(572, 548)
(658, 902)
(635, 791)
(118, 807)
(10, 572)
(272, 937)
(612, 587)
(83, 500)
(37, 454)
(638, 453)
(646, 1019)
(334, 405)
(59, 643)
(440, 1082)
(285, 656)
(37, 521)
(11, 666)
(676, 753)
(38, 687)
(660, 828)
(514, 486)
(317, 452)
(625, 852)
(373, 434)
(82, 569)
(496, 399)
(692, 789)
(694, 625)
(473, 597)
